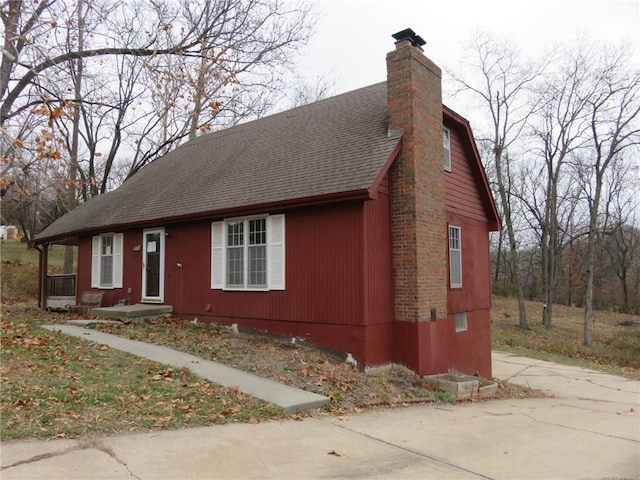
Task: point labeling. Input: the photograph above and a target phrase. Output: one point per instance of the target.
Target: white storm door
(153, 266)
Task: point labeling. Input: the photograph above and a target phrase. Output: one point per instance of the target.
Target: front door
(153, 266)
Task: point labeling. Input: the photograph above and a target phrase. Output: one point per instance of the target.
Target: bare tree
(613, 108)
(622, 246)
(145, 76)
(501, 80)
(305, 92)
(558, 128)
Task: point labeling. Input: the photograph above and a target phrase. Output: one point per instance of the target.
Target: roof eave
(335, 197)
(373, 189)
(493, 216)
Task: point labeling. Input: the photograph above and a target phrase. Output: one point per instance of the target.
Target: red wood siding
(465, 209)
(436, 347)
(338, 278)
(462, 188)
(324, 264)
(324, 270)
(339, 287)
(475, 292)
(378, 274)
(131, 272)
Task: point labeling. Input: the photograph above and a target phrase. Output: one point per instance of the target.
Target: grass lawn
(19, 274)
(54, 385)
(16, 251)
(616, 337)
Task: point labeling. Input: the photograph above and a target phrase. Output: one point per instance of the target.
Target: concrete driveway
(589, 430)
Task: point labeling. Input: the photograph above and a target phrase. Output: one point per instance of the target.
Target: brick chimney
(414, 99)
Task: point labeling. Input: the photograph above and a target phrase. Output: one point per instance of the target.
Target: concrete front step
(138, 311)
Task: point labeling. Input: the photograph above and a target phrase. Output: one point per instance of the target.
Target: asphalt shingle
(335, 145)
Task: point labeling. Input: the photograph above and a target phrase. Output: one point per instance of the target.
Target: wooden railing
(61, 285)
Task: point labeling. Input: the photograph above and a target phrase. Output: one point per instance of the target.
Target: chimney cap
(410, 35)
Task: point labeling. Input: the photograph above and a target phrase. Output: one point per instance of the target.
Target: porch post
(43, 294)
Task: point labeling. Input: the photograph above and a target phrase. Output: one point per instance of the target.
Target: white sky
(353, 36)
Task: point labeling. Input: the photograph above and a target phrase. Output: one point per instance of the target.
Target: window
(455, 257)
(248, 253)
(106, 261)
(446, 145)
(461, 321)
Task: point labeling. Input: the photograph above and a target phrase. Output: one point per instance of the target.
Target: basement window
(461, 321)
(446, 148)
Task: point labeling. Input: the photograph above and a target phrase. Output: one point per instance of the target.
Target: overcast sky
(353, 36)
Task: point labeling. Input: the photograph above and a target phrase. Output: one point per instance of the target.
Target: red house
(360, 222)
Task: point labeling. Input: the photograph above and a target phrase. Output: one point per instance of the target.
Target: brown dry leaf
(344, 418)
(336, 452)
(254, 421)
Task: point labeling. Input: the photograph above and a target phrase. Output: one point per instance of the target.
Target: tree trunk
(588, 299)
(513, 251)
(515, 268)
(73, 164)
(496, 273)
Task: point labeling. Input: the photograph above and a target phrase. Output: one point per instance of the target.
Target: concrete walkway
(589, 430)
(289, 398)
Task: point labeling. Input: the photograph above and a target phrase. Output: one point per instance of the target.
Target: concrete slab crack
(568, 427)
(519, 372)
(99, 446)
(415, 452)
(43, 456)
(82, 446)
(615, 389)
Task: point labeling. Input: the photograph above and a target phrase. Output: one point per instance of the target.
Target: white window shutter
(276, 266)
(95, 262)
(117, 259)
(217, 255)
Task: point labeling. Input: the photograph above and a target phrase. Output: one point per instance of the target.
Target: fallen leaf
(344, 418)
(337, 453)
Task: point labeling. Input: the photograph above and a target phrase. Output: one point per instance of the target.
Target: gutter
(359, 194)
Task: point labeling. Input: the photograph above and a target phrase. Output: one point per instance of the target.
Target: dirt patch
(300, 365)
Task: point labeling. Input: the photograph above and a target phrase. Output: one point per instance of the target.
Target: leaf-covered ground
(616, 336)
(54, 385)
(297, 364)
(59, 386)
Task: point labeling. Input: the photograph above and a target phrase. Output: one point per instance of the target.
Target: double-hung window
(106, 261)
(455, 257)
(248, 253)
(446, 149)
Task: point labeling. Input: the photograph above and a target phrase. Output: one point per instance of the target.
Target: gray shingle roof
(336, 145)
